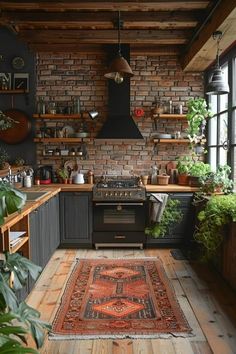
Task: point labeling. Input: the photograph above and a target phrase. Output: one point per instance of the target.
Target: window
(222, 126)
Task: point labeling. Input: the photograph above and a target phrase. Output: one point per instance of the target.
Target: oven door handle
(114, 204)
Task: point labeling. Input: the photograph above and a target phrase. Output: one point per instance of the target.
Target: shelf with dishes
(61, 140)
(171, 116)
(170, 141)
(59, 116)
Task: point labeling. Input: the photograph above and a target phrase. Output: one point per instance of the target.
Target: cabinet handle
(120, 237)
(36, 211)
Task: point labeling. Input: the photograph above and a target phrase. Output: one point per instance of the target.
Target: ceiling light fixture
(119, 67)
(217, 84)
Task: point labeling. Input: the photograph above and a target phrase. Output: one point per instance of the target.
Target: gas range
(119, 189)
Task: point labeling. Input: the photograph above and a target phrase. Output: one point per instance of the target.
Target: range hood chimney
(119, 123)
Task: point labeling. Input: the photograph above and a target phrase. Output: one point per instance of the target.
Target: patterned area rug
(118, 299)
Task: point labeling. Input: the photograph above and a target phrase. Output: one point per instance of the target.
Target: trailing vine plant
(219, 211)
(171, 215)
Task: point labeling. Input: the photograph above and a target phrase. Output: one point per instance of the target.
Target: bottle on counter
(90, 177)
(154, 175)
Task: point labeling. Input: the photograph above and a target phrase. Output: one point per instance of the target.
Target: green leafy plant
(17, 320)
(171, 215)
(63, 173)
(4, 157)
(197, 116)
(5, 121)
(11, 200)
(184, 164)
(199, 169)
(218, 181)
(218, 211)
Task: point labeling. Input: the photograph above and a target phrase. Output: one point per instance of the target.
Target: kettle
(78, 178)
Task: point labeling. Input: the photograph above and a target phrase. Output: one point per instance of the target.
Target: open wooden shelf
(19, 245)
(14, 170)
(171, 141)
(59, 116)
(172, 116)
(13, 91)
(60, 140)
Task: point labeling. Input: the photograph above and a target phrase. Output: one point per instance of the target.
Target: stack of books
(16, 237)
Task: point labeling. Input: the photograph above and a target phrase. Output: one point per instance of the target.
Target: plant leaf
(7, 294)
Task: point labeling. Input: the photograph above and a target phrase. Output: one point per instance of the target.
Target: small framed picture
(21, 81)
(5, 81)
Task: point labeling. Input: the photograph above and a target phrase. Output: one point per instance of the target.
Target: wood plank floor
(208, 304)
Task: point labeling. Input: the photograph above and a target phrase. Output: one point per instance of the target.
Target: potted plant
(197, 170)
(4, 157)
(63, 175)
(197, 118)
(11, 200)
(18, 320)
(218, 211)
(218, 181)
(183, 167)
(5, 121)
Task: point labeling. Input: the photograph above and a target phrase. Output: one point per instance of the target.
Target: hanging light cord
(217, 36)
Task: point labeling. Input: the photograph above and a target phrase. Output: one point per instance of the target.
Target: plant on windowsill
(217, 182)
(197, 116)
(171, 215)
(18, 320)
(11, 200)
(218, 212)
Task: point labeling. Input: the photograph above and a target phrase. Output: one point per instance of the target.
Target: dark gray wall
(10, 47)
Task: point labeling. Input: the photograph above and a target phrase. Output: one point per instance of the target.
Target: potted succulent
(218, 181)
(197, 170)
(183, 167)
(197, 116)
(4, 157)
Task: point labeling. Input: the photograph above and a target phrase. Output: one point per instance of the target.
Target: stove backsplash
(65, 76)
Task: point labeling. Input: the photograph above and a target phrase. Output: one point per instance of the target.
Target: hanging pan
(20, 129)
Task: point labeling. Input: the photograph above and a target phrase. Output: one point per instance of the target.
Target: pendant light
(217, 84)
(119, 67)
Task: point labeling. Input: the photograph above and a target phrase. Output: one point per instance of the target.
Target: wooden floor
(208, 304)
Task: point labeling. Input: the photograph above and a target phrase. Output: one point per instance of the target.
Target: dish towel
(158, 204)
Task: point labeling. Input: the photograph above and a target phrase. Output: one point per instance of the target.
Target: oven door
(119, 216)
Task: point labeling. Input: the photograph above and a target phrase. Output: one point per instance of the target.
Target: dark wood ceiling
(181, 28)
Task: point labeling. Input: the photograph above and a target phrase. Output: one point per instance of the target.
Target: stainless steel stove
(119, 213)
(123, 190)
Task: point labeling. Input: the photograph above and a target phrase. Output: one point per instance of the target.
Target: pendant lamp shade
(217, 84)
(119, 67)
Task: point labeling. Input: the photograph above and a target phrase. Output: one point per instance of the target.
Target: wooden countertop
(54, 189)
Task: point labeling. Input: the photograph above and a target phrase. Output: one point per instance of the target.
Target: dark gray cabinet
(76, 218)
(180, 233)
(44, 232)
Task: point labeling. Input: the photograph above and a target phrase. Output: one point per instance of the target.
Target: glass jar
(154, 175)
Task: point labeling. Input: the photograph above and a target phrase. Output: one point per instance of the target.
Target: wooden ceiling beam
(164, 37)
(203, 50)
(104, 5)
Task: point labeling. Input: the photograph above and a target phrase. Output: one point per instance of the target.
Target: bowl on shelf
(163, 179)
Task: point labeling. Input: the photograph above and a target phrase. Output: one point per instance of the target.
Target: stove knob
(126, 194)
(130, 194)
(120, 194)
(115, 194)
(110, 194)
(106, 194)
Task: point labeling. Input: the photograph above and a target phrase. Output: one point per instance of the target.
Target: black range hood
(119, 123)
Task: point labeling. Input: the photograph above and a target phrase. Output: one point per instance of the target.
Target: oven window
(123, 216)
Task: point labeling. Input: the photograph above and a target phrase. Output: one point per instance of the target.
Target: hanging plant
(171, 215)
(6, 122)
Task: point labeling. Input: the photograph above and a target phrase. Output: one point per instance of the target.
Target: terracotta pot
(183, 180)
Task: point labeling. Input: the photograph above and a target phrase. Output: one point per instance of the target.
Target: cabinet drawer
(119, 237)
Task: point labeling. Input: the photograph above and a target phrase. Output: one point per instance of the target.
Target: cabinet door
(54, 233)
(179, 233)
(76, 218)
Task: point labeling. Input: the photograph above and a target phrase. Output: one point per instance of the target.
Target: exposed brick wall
(63, 76)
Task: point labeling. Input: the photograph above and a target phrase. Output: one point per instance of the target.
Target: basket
(162, 179)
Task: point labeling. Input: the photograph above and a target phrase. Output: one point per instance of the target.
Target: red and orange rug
(117, 299)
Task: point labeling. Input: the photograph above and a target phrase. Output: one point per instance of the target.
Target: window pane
(224, 98)
(213, 103)
(223, 126)
(234, 82)
(234, 126)
(212, 131)
(212, 158)
(222, 156)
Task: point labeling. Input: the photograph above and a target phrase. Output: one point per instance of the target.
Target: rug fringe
(53, 336)
(114, 258)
